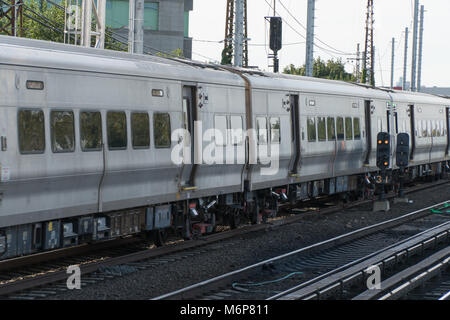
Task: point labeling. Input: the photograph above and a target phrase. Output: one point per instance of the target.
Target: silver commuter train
(86, 143)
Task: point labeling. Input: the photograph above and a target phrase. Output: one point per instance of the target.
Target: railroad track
(279, 277)
(43, 274)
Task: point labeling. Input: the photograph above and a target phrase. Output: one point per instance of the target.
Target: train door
(295, 130)
(189, 114)
(412, 133)
(447, 125)
(368, 119)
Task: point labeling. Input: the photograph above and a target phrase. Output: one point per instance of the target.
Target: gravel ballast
(233, 254)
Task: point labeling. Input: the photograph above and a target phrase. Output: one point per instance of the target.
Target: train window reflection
(140, 130)
(31, 131)
(321, 129)
(340, 128)
(311, 124)
(91, 131)
(331, 129)
(275, 136)
(261, 127)
(348, 129)
(161, 130)
(117, 130)
(356, 129)
(62, 131)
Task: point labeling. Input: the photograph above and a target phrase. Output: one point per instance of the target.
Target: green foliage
(333, 70)
(51, 24)
(227, 55)
(177, 53)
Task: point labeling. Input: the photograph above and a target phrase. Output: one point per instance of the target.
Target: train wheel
(160, 237)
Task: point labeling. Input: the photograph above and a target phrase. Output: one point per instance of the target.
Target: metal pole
(101, 27)
(86, 23)
(358, 64)
(419, 74)
(131, 13)
(310, 38)
(414, 53)
(239, 35)
(139, 27)
(392, 63)
(405, 62)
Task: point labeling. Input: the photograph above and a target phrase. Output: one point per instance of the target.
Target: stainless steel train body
(87, 141)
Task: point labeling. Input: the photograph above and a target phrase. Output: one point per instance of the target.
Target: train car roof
(46, 54)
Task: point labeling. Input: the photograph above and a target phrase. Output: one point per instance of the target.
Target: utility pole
(392, 63)
(405, 62)
(310, 38)
(230, 35)
(139, 27)
(358, 63)
(419, 74)
(414, 53)
(239, 35)
(13, 25)
(369, 58)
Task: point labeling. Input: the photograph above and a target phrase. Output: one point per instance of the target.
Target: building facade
(166, 24)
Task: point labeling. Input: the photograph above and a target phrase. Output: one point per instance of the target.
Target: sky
(339, 24)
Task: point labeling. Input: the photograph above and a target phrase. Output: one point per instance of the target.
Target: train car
(97, 144)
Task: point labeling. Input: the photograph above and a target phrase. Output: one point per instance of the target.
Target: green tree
(332, 69)
(45, 21)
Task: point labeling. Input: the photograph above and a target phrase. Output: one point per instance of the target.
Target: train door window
(331, 131)
(161, 130)
(62, 131)
(340, 128)
(91, 131)
(275, 136)
(321, 129)
(261, 127)
(116, 123)
(220, 124)
(140, 130)
(380, 125)
(311, 125)
(419, 128)
(236, 130)
(31, 131)
(356, 129)
(348, 129)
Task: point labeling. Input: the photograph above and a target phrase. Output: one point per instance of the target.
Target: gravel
(232, 254)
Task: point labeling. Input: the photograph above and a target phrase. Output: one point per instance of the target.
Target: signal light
(383, 150)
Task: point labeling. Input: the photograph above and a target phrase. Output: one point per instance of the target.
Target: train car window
(275, 136)
(442, 128)
(236, 130)
(419, 128)
(356, 129)
(261, 127)
(91, 131)
(429, 128)
(311, 126)
(340, 128)
(220, 124)
(321, 129)
(161, 130)
(348, 129)
(433, 128)
(31, 131)
(116, 123)
(331, 129)
(380, 125)
(62, 131)
(140, 130)
(424, 129)
(438, 128)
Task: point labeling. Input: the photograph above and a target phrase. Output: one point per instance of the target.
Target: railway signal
(402, 150)
(402, 161)
(383, 150)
